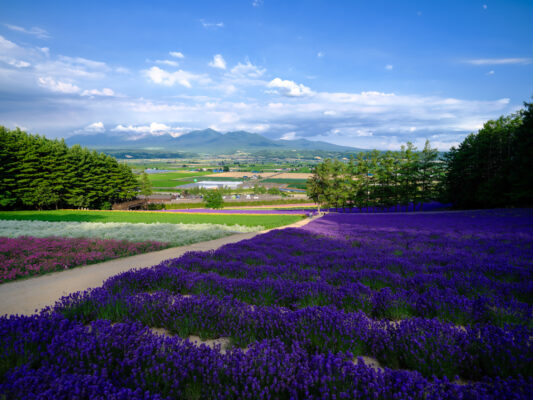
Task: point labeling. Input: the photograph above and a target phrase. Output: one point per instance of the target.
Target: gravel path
(30, 295)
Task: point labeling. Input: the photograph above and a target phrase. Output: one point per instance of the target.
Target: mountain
(201, 141)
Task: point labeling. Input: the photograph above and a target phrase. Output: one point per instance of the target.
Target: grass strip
(147, 217)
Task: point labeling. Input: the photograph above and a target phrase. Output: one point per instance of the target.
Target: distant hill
(201, 141)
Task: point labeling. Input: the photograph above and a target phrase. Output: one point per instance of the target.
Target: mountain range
(200, 141)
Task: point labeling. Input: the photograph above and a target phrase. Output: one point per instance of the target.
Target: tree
(483, 171)
(317, 184)
(213, 199)
(522, 189)
(427, 178)
(145, 185)
(36, 172)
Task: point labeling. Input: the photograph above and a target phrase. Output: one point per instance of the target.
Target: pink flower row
(27, 256)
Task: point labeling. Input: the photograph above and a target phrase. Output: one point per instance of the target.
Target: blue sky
(357, 73)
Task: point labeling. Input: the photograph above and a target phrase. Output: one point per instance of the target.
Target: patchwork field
(385, 306)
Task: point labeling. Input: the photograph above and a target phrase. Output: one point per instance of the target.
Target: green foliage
(493, 167)
(259, 189)
(145, 185)
(274, 191)
(36, 172)
(213, 199)
(377, 179)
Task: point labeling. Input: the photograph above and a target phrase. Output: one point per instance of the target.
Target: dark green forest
(36, 172)
(490, 168)
(494, 167)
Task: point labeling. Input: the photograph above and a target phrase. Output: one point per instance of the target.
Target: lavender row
(300, 256)
(50, 357)
(444, 303)
(411, 207)
(428, 346)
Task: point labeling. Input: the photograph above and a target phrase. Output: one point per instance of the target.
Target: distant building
(212, 185)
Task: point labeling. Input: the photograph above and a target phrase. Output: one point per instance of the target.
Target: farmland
(29, 256)
(171, 234)
(171, 179)
(400, 305)
(147, 217)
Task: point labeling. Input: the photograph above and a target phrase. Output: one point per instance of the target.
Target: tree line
(490, 168)
(494, 167)
(378, 179)
(36, 172)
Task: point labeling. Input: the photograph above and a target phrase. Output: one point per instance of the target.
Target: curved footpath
(30, 295)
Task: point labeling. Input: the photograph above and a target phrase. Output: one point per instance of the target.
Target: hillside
(201, 141)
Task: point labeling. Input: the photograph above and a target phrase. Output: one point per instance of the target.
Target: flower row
(28, 256)
(50, 357)
(175, 234)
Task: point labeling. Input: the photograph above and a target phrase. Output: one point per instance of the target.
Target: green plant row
(148, 217)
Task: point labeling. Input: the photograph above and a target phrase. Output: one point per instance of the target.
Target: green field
(147, 217)
(289, 181)
(169, 179)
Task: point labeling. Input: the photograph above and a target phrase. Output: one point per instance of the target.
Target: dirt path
(27, 296)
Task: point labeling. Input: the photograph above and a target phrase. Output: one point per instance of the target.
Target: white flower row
(177, 234)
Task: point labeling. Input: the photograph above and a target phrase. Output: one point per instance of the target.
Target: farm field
(23, 257)
(171, 179)
(170, 234)
(148, 217)
(410, 306)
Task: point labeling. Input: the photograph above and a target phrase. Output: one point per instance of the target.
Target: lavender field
(384, 306)
(28, 256)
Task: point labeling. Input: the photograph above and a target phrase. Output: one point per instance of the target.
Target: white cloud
(183, 78)
(320, 54)
(212, 24)
(499, 61)
(389, 67)
(80, 61)
(491, 72)
(45, 51)
(177, 54)
(167, 62)
(15, 63)
(288, 136)
(57, 86)
(6, 44)
(35, 31)
(105, 92)
(290, 88)
(95, 127)
(155, 128)
(484, 6)
(218, 62)
(72, 67)
(257, 3)
(247, 70)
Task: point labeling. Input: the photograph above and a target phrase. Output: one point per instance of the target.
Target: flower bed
(175, 234)
(28, 256)
(440, 302)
